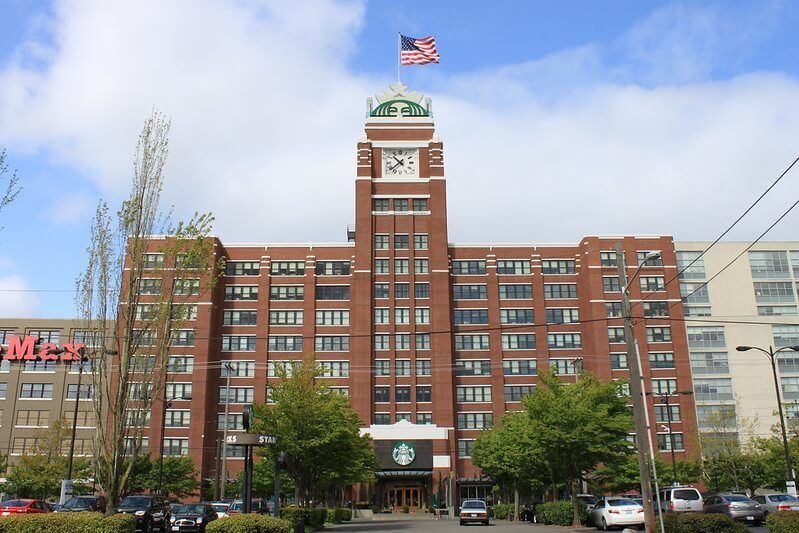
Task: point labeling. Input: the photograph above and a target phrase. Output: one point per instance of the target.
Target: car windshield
(474, 505)
(588, 499)
(190, 509)
(78, 503)
(135, 502)
(220, 508)
(686, 495)
(782, 498)
(736, 498)
(15, 503)
(621, 501)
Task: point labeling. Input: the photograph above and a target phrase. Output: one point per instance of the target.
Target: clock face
(400, 162)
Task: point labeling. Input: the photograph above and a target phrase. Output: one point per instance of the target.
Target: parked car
(681, 500)
(615, 511)
(24, 506)
(735, 506)
(771, 503)
(258, 506)
(221, 509)
(192, 517)
(474, 511)
(82, 504)
(151, 511)
(588, 499)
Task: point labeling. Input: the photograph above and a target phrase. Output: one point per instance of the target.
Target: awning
(403, 473)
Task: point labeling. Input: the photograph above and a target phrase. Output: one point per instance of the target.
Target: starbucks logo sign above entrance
(403, 454)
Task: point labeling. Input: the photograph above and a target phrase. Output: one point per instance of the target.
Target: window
(235, 422)
(472, 367)
(238, 369)
(696, 311)
(420, 241)
(420, 204)
(42, 391)
(237, 395)
(5, 334)
(664, 444)
(153, 260)
(469, 292)
(562, 315)
(89, 337)
(280, 369)
(564, 340)
(422, 315)
(282, 343)
(381, 266)
(84, 394)
(239, 318)
(470, 316)
(517, 291)
(39, 366)
(785, 336)
(381, 290)
(656, 309)
(403, 416)
(618, 361)
(776, 310)
(239, 343)
(380, 204)
(661, 360)
(613, 309)
(558, 291)
(788, 362)
(402, 341)
(182, 337)
(717, 417)
(616, 335)
(558, 266)
(402, 315)
(401, 241)
(652, 261)
(663, 415)
(774, 292)
(424, 418)
(516, 316)
(241, 292)
(339, 343)
(710, 363)
(382, 367)
(343, 391)
(400, 204)
(790, 388)
(691, 265)
(706, 337)
(149, 286)
(608, 259)
(177, 418)
(382, 419)
(177, 391)
(288, 268)
(187, 287)
(401, 266)
(694, 293)
(402, 290)
(421, 290)
(381, 242)
(382, 342)
(471, 342)
(423, 367)
(24, 445)
(519, 367)
(652, 283)
(515, 393)
(664, 386)
(332, 268)
(422, 341)
(658, 334)
(610, 284)
(421, 266)
(242, 268)
(566, 367)
(713, 389)
(33, 418)
(402, 367)
(424, 393)
(285, 318)
(176, 447)
(474, 420)
(333, 318)
(143, 337)
(333, 292)
(141, 363)
(470, 267)
(518, 341)
(465, 394)
(3, 390)
(402, 394)
(513, 267)
(140, 391)
(130, 445)
(382, 394)
(286, 292)
(465, 448)
(769, 265)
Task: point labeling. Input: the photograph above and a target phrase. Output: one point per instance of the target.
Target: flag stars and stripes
(418, 51)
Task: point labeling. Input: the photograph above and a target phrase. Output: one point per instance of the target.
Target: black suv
(151, 512)
(82, 504)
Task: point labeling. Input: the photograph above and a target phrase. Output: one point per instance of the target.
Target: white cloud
(15, 300)
(266, 115)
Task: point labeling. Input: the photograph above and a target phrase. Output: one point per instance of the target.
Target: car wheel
(604, 525)
(148, 526)
(463, 523)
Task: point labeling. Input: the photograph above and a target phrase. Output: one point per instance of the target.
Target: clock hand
(400, 161)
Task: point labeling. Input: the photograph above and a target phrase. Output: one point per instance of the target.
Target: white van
(681, 500)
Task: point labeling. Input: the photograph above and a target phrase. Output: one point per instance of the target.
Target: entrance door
(396, 498)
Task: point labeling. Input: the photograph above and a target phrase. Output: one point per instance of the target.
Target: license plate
(5, 513)
(175, 528)
(750, 517)
(794, 508)
(473, 515)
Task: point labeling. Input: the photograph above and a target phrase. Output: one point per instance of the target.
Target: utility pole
(217, 468)
(229, 368)
(636, 392)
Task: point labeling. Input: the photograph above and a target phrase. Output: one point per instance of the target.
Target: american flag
(418, 51)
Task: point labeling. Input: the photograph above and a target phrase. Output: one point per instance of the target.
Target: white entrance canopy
(405, 430)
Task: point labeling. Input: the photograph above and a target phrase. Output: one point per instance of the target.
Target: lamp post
(167, 403)
(665, 400)
(772, 355)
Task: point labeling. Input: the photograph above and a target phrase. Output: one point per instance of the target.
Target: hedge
(310, 517)
(702, 523)
(502, 511)
(559, 513)
(68, 523)
(249, 523)
(783, 522)
(337, 515)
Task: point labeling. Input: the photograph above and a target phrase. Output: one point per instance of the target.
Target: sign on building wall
(404, 454)
(24, 349)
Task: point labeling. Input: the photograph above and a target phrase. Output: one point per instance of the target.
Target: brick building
(430, 340)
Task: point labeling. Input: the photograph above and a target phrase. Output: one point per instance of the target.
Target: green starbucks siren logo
(403, 454)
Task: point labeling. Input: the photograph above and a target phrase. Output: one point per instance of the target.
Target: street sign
(250, 439)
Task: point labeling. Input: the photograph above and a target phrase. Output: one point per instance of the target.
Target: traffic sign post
(249, 441)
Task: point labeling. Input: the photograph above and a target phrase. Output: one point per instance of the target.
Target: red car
(23, 506)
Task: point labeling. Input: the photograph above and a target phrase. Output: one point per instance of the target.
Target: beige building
(752, 303)
(36, 393)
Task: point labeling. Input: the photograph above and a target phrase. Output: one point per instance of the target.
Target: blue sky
(584, 104)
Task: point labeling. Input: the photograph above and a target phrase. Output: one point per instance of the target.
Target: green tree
(624, 476)
(578, 426)
(180, 477)
(727, 463)
(773, 454)
(319, 432)
(263, 479)
(507, 453)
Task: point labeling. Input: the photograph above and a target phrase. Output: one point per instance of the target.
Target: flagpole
(399, 54)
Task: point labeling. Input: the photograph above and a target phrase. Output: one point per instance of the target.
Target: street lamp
(665, 399)
(772, 355)
(167, 403)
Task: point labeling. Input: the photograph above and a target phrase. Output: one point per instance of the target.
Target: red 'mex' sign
(23, 349)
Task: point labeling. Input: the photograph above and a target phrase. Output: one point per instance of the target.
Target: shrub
(346, 514)
(702, 523)
(502, 511)
(783, 522)
(250, 523)
(294, 515)
(406, 509)
(336, 515)
(68, 523)
(317, 517)
(559, 513)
